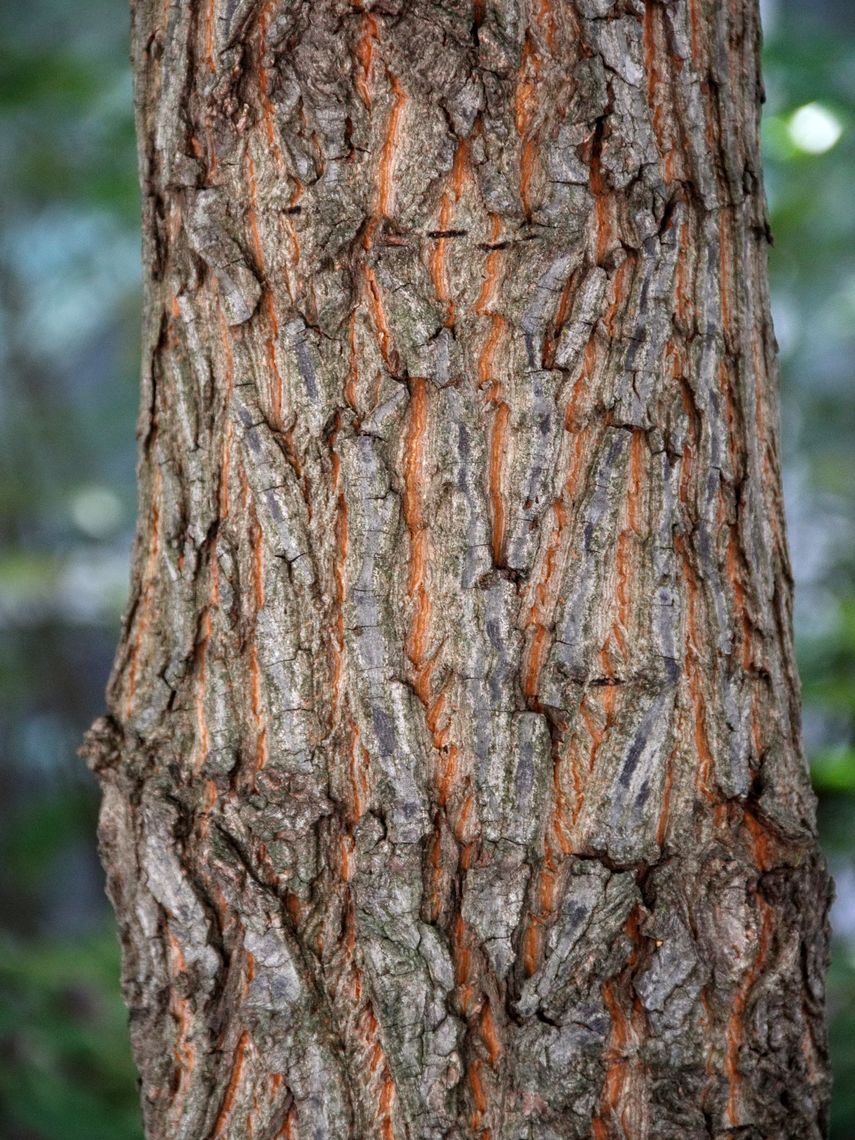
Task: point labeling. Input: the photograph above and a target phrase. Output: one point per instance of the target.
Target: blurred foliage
(65, 1064)
(69, 315)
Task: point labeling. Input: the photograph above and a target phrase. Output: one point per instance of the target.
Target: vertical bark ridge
(452, 777)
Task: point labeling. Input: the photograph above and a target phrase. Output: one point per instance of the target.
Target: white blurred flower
(814, 129)
(96, 510)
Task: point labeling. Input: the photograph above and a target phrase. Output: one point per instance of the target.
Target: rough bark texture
(452, 777)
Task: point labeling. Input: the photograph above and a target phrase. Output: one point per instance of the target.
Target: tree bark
(452, 777)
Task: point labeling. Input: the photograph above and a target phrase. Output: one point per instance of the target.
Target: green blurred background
(69, 317)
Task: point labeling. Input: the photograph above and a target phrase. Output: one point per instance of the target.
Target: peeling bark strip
(452, 779)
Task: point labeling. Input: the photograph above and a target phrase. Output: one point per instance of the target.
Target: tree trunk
(452, 778)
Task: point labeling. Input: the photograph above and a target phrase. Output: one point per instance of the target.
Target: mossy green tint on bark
(452, 776)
